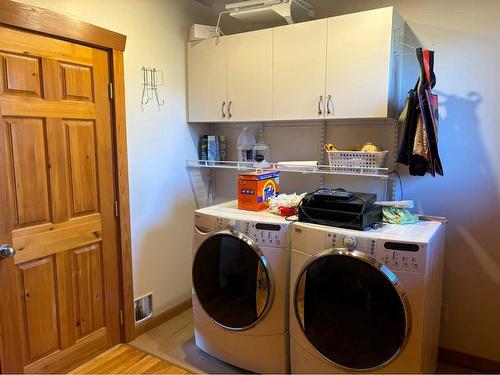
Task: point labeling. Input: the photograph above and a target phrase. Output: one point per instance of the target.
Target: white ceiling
(323, 8)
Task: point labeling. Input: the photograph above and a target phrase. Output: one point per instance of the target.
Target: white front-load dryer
(241, 274)
(365, 301)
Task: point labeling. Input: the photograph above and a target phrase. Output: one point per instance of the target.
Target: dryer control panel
(397, 255)
(262, 233)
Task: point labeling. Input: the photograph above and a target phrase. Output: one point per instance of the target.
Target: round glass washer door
(232, 280)
(352, 310)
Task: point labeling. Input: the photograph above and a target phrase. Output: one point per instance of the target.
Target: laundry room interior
(257, 186)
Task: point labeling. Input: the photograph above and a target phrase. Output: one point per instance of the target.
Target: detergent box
(255, 188)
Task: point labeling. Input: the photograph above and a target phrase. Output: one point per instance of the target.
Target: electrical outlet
(143, 307)
(444, 312)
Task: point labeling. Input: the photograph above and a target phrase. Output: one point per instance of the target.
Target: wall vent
(143, 307)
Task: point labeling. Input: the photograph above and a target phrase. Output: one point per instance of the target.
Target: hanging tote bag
(418, 149)
(408, 118)
(428, 103)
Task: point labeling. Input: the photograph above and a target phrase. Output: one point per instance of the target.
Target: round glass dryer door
(232, 281)
(351, 309)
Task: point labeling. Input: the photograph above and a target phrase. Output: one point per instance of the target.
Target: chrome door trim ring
(381, 268)
(253, 245)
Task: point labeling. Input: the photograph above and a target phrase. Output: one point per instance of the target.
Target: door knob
(6, 251)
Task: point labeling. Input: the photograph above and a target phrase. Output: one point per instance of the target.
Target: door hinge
(116, 208)
(110, 88)
(121, 317)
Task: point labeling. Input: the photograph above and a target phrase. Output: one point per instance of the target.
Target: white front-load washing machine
(365, 301)
(241, 275)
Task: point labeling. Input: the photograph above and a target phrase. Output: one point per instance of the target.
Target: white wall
(466, 37)
(158, 142)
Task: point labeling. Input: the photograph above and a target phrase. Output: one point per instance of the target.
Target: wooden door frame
(46, 22)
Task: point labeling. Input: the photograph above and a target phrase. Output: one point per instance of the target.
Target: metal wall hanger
(151, 80)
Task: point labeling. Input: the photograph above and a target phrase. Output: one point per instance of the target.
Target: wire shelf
(382, 173)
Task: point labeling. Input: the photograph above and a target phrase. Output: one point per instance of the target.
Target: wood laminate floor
(173, 341)
(125, 359)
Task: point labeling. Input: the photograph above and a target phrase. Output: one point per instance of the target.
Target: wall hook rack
(151, 80)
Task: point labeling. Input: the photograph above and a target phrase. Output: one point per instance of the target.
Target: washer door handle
(202, 230)
(261, 290)
(300, 295)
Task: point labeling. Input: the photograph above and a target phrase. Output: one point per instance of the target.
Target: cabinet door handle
(223, 109)
(229, 114)
(328, 102)
(320, 105)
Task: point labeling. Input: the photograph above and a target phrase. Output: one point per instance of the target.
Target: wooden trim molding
(128, 333)
(163, 317)
(468, 360)
(47, 22)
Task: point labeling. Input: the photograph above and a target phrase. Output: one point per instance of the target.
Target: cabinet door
(359, 56)
(249, 75)
(299, 71)
(207, 83)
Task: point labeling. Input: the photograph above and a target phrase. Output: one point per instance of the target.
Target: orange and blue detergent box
(255, 188)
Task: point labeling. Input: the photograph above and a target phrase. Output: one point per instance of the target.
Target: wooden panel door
(299, 71)
(207, 70)
(60, 292)
(250, 75)
(358, 64)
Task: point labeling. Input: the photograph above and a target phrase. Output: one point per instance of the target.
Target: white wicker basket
(349, 161)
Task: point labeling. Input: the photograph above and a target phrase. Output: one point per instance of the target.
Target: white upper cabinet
(249, 75)
(299, 71)
(340, 67)
(207, 80)
(359, 61)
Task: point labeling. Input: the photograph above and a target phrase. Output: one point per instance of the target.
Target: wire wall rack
(381, 173)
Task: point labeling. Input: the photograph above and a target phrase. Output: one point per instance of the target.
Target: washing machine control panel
(269, 235)
(397, 255)
(404, 256)
(262, 233)
(350, 242)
